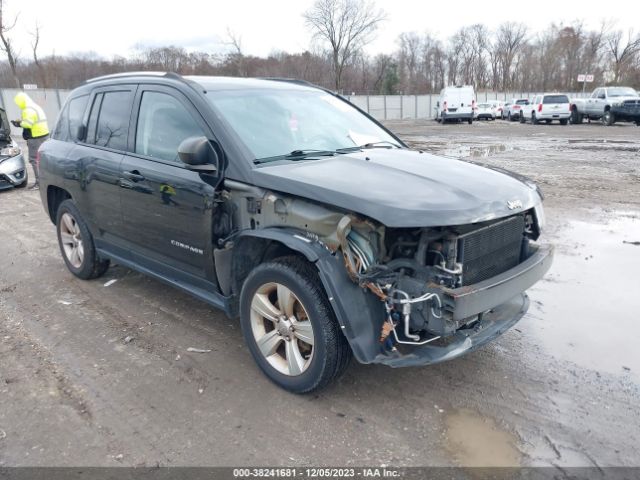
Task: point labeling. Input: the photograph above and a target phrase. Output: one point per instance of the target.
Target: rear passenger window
(163, 123)
(70, 119)
(109, 120)
(555, 99)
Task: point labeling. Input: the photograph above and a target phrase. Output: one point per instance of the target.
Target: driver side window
(163, 123)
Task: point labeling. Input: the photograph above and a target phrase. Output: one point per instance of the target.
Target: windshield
(277, 122)
(622, 92)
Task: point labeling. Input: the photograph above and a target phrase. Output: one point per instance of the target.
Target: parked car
(498, 106)
(13, 170)
(609, 104)
(456, 103)
(485, 111)
(513, 109)
(284, 204)
(547, 108)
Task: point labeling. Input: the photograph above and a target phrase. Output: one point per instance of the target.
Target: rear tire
(470, 120)
(576, 118)
(608, 118)
(534, 119)
(522, 119)
(564, 121)
(509, 116)
(277, 299)
(76, 243)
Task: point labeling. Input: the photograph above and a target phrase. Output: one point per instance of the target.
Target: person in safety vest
(35, 129)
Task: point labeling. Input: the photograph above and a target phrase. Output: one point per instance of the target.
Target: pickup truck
(283, 204)
(609, 104)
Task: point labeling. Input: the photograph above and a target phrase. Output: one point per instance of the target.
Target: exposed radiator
(491, 250)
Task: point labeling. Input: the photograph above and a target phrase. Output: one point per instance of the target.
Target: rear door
(96, 161)
(592, 102)
(167, 208)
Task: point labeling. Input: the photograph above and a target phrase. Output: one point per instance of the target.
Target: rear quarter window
(70, 119)
(555, 99)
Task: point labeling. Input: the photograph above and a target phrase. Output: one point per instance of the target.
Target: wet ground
(98, 373)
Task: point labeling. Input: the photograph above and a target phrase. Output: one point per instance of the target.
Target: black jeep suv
(284, 204)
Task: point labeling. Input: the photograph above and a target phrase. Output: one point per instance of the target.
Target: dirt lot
(92, 374)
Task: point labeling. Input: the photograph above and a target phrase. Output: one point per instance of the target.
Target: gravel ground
(100, 375)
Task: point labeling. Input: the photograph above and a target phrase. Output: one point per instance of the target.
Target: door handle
(133, 175)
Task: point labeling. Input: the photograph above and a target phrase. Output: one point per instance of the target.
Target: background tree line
(508, 58)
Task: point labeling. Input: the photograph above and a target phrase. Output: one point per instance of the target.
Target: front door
(167, 208)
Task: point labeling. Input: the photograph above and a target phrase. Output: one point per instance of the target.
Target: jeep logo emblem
(513, 204)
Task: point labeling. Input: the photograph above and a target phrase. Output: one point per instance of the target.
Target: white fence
(381, 107)
(407, 107)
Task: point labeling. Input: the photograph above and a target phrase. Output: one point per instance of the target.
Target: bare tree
(511, 37)
(345, 25)
(7, 45)
(622, 51)
(34, 47)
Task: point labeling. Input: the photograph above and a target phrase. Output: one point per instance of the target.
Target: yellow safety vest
(33, 118)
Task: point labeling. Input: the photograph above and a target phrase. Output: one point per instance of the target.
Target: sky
(117, 27)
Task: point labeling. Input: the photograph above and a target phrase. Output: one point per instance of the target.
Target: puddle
(460, 150)
(476, 441)
(586, 309)
(597, 140)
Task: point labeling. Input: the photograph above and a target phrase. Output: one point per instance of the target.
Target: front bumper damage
(494, 306)
(493, 324)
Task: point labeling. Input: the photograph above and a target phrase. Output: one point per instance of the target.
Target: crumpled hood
(402, 188)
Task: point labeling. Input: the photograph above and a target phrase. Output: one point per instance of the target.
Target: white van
(456, 103)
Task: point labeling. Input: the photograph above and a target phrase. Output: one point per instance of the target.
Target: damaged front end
(403, 296)
(446, 290)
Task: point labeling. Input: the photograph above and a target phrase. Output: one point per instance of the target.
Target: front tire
(290, 328)
(76, 243)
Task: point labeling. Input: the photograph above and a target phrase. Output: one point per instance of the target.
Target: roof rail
(295, 81)
(135, 74)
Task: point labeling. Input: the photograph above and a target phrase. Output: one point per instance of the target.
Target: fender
(359, 313)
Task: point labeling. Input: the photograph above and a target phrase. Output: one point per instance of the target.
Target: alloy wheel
(71, 239)
(282, 329)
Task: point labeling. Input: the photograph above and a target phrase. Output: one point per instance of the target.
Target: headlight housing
(11, 165)
(10, 151)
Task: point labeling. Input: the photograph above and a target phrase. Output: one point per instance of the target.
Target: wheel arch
(359, 314)
(55, 196)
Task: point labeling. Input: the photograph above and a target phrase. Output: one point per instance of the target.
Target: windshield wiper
(297, 155)
(380, 144)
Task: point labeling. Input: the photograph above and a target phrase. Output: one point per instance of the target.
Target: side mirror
(81, 132)
(198, 154)
(438, 104)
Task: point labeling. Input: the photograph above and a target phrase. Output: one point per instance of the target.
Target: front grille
(631, 103)
(491, 250)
